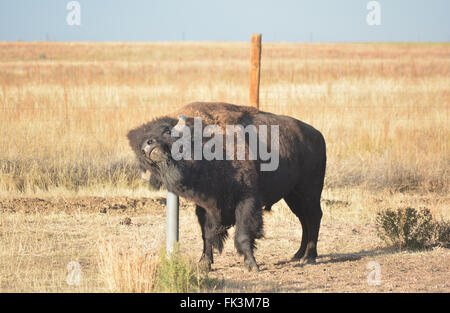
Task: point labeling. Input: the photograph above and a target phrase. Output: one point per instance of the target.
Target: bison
(231, 191)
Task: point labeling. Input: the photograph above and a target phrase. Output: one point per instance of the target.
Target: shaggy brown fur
(232, 192)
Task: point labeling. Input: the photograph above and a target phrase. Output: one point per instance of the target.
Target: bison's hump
(218, 113)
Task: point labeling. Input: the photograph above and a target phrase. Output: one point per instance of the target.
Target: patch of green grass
(176, 273)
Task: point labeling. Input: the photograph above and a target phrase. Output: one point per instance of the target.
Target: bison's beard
(168, 171)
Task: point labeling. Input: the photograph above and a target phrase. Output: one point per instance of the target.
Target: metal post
(172, 204)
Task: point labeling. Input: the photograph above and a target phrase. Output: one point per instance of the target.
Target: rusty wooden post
(255, 70)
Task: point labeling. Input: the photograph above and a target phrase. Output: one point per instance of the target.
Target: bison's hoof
(205, 263)
(295, 259)
(252, 267)
(307, 260)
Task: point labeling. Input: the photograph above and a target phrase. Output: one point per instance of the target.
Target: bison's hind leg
(308, 210)
(213, 235)
(249, 227)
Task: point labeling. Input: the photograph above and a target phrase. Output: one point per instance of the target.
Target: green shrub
(412, 229)
(179, 274)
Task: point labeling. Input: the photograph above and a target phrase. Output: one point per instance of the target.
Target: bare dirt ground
(40, 236)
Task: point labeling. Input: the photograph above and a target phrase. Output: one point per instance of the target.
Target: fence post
(255, 70)
(172, 213)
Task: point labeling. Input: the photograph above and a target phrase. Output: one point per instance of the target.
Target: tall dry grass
(128, 269)
(65, 108)
(136, 267)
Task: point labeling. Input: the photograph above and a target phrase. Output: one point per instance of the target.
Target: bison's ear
(135, 137)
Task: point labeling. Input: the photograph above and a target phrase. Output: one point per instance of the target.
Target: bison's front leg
(213, 234)
(248, 228)
(207, 255)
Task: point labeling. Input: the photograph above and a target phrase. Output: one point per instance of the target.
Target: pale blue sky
(225, 20)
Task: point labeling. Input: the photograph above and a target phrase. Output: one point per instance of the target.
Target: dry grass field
(68, 177)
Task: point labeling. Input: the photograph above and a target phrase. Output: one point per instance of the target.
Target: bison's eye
(166, 131)
(150, 141)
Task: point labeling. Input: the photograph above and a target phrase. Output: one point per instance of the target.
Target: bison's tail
(324, 160)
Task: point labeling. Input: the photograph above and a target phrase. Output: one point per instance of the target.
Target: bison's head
(152, 144)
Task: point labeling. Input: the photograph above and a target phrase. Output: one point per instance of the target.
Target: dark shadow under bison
(234, 192)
